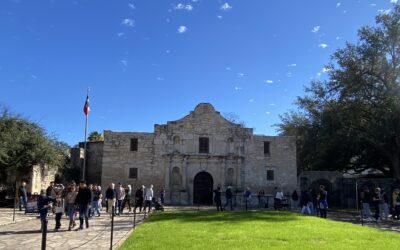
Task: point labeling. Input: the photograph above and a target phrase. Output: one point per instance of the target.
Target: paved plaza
(25, 232)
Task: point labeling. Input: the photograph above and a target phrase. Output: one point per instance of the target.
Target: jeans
(95, 208)
(23, 201)
(119, 206)
(305, 210)
(384, 211)
(147, 204)
(83, 211)
(366, 210)
(228, 201)
(71, 211)
(310, 206)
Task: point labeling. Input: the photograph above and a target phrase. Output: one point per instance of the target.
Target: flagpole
(85, 145)
(84, 151)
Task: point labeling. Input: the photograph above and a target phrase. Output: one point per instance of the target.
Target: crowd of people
(379, 200)
(86, 201)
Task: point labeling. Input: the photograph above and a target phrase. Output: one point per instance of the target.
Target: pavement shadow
(213, 216)
(28, 232)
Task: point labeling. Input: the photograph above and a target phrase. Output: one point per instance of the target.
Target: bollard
(134, 218)
(44, 234)
(112, 226)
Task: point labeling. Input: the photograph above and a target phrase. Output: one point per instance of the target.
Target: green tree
(95, 136)
(352, 120)
(24, 144)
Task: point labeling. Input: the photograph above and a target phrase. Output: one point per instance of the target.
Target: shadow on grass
(212, 216)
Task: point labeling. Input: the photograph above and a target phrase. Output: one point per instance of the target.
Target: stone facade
(202, 142)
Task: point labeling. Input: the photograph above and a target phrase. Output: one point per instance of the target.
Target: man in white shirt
(148, 197)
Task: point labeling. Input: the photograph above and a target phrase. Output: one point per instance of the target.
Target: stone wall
(169, 158)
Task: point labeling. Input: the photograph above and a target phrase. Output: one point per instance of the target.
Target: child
(43, 206)
(58, 209)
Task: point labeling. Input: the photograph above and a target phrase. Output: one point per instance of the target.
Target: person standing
(322, 201)
(376, 199)
(279, 197)
(217, 199)
(366, 199)
(162, 196)
(228, 197)
(139, 196)
(384, 206)
(83, 199)
(120, 191)
(148, 197)
(23, 196)
(127, 199)
(260, 197)
(70, 203)
(396, 204)
(295, 200)
(111, 197)
(247, 198)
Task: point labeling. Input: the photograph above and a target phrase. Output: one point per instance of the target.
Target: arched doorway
(203, 189)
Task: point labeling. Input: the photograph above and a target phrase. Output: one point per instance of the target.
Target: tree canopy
(95, 136)
(351, 121)
(24, 144)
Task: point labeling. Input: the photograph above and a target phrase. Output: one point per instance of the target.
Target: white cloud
(128, 22)
(181, 6)
(238, 88)
(132, 6)
(292, 65)
(345, 11)
(325, 70)
(219, 17)
(269, 81)
(228, 68)
(323, 45)
(124, 62)
(240, 74)
(267, 112)
(272, 104)
(182, 29)
(338, 38)
(251, 100)
(226, 6)
(393, 1)
(315, 29)
(338, 5)
(160, 79)
(120, 34)
(373, 4)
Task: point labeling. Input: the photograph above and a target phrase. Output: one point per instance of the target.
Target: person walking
(127, 199)
(44, 203)
(70, 203)
(304, 200)
(217, 199)
(148, 197)
(111, 197)
(83, 199)
(23, 196)
(228, 197)
(120, 192)
(322, 201)
(58, 208)
(139, 196)
(95, 202)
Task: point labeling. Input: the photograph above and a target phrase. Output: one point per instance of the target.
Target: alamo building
(192, 156)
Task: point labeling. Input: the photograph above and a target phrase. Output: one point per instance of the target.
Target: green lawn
(208, 230)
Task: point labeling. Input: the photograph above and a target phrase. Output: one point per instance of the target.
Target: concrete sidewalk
(25, 234)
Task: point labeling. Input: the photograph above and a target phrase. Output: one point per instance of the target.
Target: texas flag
(86, 108)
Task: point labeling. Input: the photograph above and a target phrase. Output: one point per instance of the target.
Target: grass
(208, 230)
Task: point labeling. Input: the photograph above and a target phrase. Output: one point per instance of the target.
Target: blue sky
(152, 61)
